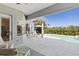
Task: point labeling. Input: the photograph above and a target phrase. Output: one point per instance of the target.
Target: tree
(38, 25)
(70, 30)
(39, 21)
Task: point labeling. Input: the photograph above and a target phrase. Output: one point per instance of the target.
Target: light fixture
(21, 3)
(18, 3)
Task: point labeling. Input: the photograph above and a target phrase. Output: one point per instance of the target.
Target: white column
(23, 28)
(0, 26)
(14, 27)
(42, 29)
(32, 28)
(29, 27)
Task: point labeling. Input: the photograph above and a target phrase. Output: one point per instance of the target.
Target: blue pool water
(71, 39)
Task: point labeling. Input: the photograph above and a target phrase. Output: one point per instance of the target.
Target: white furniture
(3, 44)
(23, 51)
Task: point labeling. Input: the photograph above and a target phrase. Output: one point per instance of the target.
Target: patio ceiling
(28, 8)
(58, 7)
(34, 10)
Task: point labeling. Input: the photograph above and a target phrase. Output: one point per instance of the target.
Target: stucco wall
(16, 16)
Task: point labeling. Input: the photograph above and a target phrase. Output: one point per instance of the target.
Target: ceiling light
(21, 3)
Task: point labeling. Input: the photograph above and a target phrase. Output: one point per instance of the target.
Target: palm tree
(40, 24)
(39, 21)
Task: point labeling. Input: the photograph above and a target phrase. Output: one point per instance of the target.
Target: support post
(42, 29)
(0, 26)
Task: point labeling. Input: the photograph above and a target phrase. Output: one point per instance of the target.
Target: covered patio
(23, 16)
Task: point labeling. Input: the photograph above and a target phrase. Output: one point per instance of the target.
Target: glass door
(5, 27)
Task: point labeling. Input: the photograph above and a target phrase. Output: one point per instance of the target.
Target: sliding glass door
(5, 27)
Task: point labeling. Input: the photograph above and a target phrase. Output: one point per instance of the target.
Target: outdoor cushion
(2, 43)
(8, 52)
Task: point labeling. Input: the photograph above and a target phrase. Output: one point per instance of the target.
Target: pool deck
(51, 47)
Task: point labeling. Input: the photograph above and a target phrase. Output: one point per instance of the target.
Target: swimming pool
(71, 39)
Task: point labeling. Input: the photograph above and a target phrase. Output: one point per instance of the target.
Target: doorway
(5, 27)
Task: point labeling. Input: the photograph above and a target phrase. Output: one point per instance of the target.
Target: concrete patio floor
(52, 47)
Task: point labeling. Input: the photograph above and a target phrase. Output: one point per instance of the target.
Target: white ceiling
(28, 8)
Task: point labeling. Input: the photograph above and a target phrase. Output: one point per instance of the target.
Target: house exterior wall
(16, 16)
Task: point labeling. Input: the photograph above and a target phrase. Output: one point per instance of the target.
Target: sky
(66, 18)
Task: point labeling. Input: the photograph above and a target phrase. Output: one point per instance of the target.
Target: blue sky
(66, 18)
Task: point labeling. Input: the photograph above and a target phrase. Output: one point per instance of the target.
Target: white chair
(3, 44)
(20, 48)
(23, 51)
